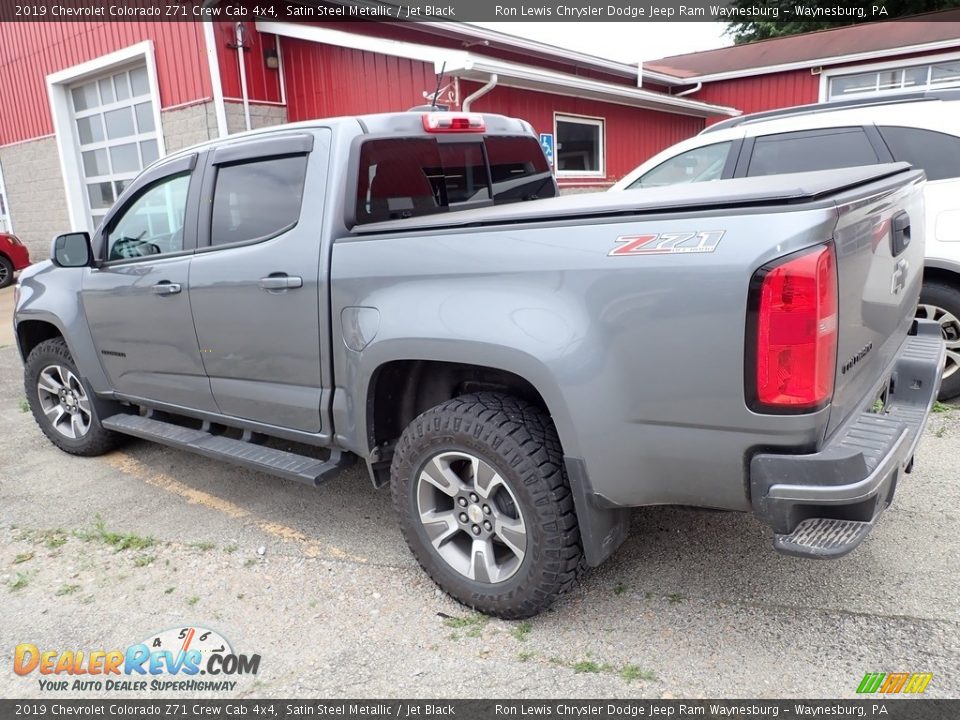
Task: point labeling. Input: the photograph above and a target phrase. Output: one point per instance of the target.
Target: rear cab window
(408, 177)
(810, 150)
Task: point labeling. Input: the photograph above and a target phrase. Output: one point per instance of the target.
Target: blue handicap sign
(546, 142)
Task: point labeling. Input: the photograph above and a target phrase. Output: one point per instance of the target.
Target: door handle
(166, 288)
(281, 281)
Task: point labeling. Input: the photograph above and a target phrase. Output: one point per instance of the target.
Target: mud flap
(603, 527)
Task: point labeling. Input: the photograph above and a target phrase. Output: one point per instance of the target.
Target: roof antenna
(436, 93)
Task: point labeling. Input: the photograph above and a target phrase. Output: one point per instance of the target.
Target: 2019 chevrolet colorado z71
(520, 373)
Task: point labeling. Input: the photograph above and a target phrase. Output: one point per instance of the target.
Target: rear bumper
(825, 504)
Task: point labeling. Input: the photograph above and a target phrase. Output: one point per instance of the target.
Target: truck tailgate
(879, 247)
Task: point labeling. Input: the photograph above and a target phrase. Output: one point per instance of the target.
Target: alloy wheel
(64, 401)
(950, 329)
(471, 516)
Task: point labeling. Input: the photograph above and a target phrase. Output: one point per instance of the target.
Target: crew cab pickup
(520, 369)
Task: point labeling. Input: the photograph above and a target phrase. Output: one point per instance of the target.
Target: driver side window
(697, 165)
(153, 223)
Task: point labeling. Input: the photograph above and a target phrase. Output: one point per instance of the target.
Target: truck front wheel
(941, 302)
(484, 504)
(61, 403)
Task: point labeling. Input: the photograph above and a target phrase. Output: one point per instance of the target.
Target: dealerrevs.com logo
(173, 660)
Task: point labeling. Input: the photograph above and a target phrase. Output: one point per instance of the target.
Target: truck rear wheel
(941, 302)
(61, 403)
(484, 504)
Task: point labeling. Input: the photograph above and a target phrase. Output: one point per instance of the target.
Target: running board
(255, 457)
(822, 538)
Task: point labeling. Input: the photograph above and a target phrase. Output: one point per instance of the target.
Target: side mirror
(72, 250)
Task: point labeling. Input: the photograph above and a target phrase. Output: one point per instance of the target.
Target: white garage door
(116, 134)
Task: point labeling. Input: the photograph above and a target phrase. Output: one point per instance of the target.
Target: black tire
(946, 297)
(96, 440)
(519, 442)
(6, 272)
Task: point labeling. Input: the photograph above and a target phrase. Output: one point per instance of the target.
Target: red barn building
(89, 104)
(874, 58)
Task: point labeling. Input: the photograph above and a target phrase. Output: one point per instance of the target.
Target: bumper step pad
(284, 464)
(822, 538)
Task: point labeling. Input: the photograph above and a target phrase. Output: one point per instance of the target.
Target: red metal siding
(325, 81)
(31, 51)
(777, 90)
(762, 92)
(632, 135)
(263, 84)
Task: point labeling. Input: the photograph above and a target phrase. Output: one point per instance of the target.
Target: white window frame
(596, 121)
(920, 61)
(58, 91)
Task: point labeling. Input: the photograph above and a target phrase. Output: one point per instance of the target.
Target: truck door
(258, 283)
(136, 299)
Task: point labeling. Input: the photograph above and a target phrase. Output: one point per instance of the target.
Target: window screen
(257, 199)
(937, 153)
(806, 151)
(407, 177)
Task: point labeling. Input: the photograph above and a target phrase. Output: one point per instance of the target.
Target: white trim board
(822, 62)
(63, 127)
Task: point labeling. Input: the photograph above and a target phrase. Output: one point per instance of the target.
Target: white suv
(922, 129)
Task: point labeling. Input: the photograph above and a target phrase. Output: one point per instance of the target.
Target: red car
(13, 256)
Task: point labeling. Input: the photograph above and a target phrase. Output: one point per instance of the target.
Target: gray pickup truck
(521, 369)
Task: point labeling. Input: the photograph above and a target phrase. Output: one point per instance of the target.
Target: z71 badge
(668, 243)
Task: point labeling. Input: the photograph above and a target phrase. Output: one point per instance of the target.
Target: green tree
(743, 31)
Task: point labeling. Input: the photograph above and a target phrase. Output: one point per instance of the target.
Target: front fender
(51, 295)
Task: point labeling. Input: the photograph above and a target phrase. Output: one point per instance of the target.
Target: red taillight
(796, 332)
(440, 122)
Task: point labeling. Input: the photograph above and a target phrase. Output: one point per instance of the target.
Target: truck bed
(769, 191)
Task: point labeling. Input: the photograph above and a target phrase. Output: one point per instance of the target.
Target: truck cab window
(401, 178)
(153, 223)
(256, 200)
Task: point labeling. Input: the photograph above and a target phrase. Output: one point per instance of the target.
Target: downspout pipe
(690, 91)
(491, 84)
(241, 32)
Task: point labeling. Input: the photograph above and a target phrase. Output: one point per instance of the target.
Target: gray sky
(624, 41)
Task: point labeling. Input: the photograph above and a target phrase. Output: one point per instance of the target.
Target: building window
(115, 128)
(579, 146)
(931, 76)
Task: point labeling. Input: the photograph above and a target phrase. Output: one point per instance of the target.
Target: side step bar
(256, 457)
(822, 538)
